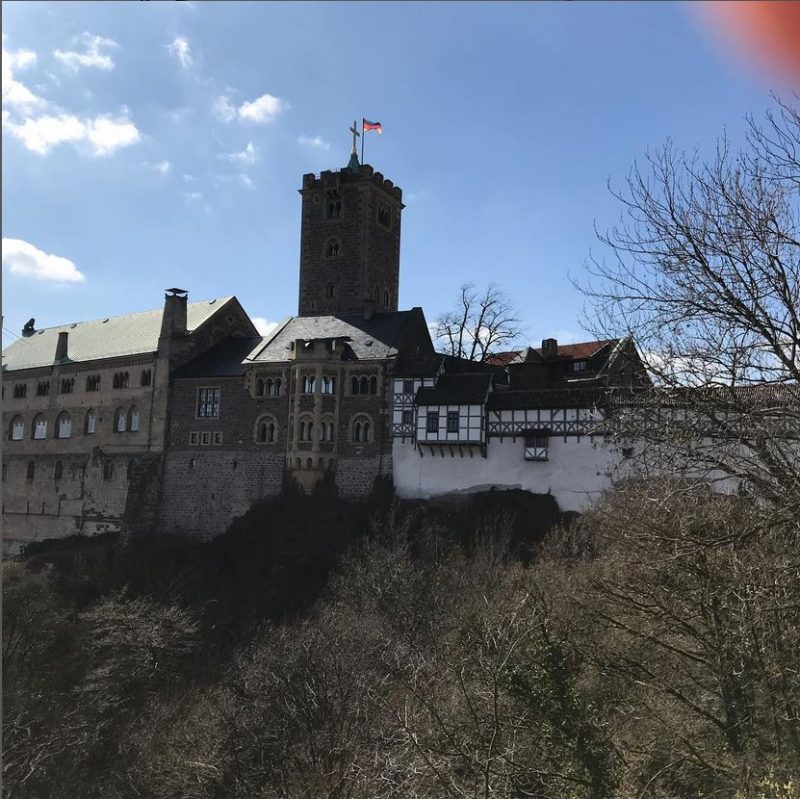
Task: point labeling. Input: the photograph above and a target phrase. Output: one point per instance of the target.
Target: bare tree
(480, 325)
(705, 274)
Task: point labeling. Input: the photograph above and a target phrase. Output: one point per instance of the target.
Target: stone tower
(349, 242)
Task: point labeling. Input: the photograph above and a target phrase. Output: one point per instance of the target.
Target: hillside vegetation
(485, 649)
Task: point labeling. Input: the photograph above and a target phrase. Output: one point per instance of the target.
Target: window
(408, 387)
(373, 385)
(205, 438)
(207, 403)
(329, 385)
(16, 430)
(194, 438)
(120, 380)
(385, 298)
(627, 452)
(408, 417)
(332, 248)
(333, 210)
(354, 386)
(363, 385)
(276, 387)
(31, 471)
(93, 383)
(452, 421)
(133, 420)
(432, 422)
(217, 438)
(384, 216)
(266, 430)
(536, 442)
(309, 384)
(67, 385)
(90, 423)
(327, 431)
(306, 430)
(579, 366)
(330, 290)
(64, 426)
(58, 471)
(145, 378)
(362, 430)
(39, 427)
(120, 420)
(108, 469)
(20, 390)
(43, 388)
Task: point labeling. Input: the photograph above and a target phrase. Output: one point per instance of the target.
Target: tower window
(334, 209)
(332, 248)
(384, 216)
(385, 298)
(330, 290)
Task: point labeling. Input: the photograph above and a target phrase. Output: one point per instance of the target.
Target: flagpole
(362, 140)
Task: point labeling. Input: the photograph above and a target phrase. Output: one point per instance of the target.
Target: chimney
(29, 328)
(61, 347)
(549, 348)
(173, 323)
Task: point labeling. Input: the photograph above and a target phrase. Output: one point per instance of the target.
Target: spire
(353, 163)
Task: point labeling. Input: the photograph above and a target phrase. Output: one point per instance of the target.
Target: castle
(176, 420)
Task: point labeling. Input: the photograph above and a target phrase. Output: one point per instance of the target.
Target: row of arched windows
(77, 470)
(267, 430)
(327, 384)
(125, 420)
(268, 387)
(364, 385)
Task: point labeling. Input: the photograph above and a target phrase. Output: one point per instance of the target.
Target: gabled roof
(457, 389)
(225, 359)
(132, 334)
(382, 336)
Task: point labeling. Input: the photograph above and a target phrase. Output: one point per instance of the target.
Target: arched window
(310, 463)
(133, 419)
(120, 419)
(361, 430)
(354, 386)
(306, 430)
(327, 431)
(268, 388)
(271, 433)
(259, 387)
(364, 385)
(266, 430)
(331, 248)
(90, 422)
(145, 378)
(276, 387)
(330, 290)
(39, 427)
(261, 433)
(373, 385)
(16, 430)
(64, 426)
(309, 384)
(58, 471)
(385, 298)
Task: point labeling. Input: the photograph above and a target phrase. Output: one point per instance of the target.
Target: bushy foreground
(323, 649)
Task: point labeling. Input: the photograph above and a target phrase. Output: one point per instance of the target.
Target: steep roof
(585, 349)
(377, 338)
(225, 359)
(456, 389)
(132, 334)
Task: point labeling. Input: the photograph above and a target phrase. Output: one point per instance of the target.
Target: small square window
(627, 452)
(432, 422)
(217, 438)
(408, 417)
(205, 438)
(194, 438)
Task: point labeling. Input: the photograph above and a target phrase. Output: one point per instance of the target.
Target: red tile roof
(583, 350)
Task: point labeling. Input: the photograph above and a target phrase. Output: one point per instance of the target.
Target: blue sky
(157, 144)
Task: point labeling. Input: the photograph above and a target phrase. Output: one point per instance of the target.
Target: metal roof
(364, 339)
(132, 334)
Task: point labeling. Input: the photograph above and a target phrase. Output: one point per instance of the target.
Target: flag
(372, 125)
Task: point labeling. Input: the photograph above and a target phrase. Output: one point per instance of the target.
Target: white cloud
(103, 134)
(23, 258)
(193, 195)
(17, 95)
(264, 326)
(91, 55)
(179, 49)
(315, 142)
(261, 110)
(162, 167)
(248, 156)
(246, 182)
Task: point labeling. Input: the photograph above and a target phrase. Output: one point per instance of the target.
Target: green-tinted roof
(132, 334)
